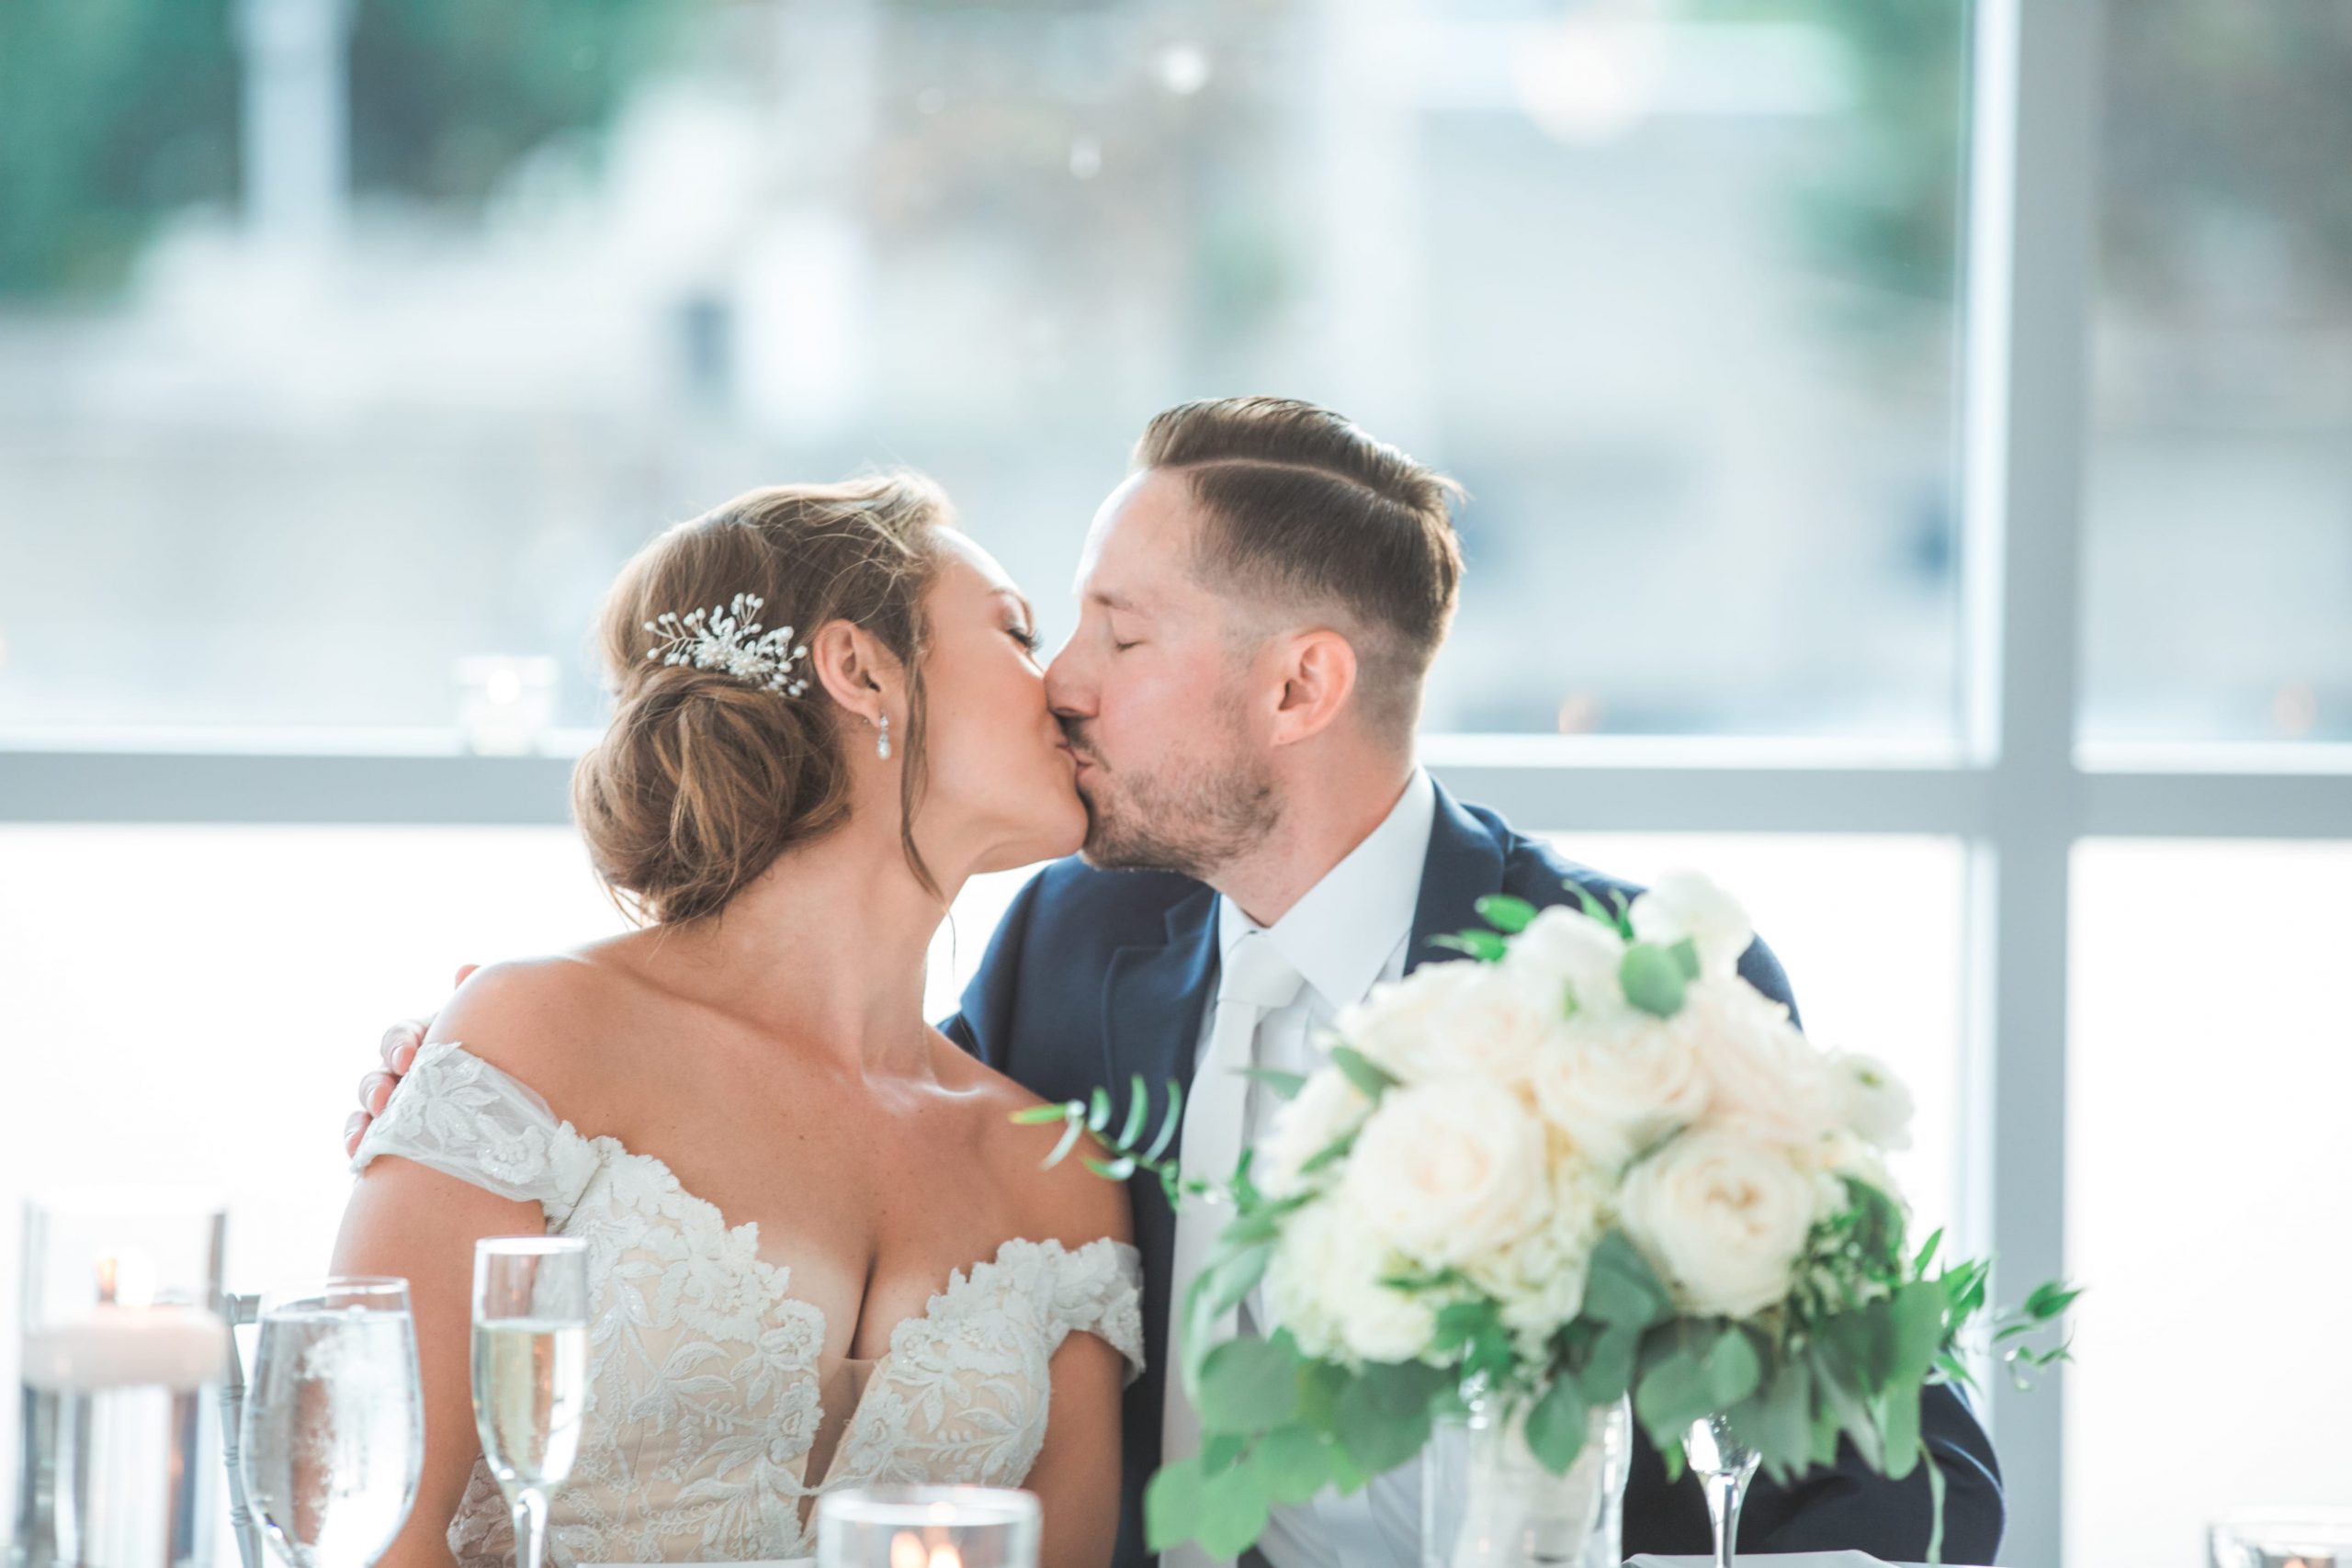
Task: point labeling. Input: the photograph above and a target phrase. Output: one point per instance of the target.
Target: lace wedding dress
(713, 1419)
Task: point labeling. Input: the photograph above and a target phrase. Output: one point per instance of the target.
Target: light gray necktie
(1256, 980)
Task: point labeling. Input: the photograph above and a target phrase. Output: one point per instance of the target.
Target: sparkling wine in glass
(333, 1440)
(530, 1366)
(1725, 1465)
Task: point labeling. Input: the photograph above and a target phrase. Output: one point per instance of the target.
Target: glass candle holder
(2282, 1538)
(927, 1526)
(123, 1346)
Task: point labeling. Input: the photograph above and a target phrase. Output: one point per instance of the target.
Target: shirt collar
(1340, 934)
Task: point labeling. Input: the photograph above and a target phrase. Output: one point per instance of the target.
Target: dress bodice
(707, 1388)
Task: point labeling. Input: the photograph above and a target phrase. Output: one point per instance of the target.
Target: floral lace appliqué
(703, 1368)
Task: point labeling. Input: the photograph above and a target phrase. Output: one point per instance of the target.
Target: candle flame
(906, 1551)
(946, 1556)
(109, 1270)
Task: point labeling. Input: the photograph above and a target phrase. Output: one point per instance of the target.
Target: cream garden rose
(1324, 1285)
(1406, 1027)
(1327, 1109)
(1762, 1073)
(1451, 1169)
(1613, 1092)
(1723, 1216)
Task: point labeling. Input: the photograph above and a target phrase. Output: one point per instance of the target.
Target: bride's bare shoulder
(1067, 1201)
(548, 1020)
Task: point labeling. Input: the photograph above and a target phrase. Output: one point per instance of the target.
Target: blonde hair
(702, 778)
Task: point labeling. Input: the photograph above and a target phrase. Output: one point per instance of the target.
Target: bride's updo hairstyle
(703, 777)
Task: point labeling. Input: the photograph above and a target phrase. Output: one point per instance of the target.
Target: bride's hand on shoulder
(395, 1052)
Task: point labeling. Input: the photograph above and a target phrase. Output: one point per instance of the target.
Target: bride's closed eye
(1025, 635)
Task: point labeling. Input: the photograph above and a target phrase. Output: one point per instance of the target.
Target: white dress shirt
(1348, 933)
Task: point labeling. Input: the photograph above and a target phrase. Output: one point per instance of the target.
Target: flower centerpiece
(1593, 1165)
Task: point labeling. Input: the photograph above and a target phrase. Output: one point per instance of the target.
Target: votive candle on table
(122, 1345)
(927, 1526)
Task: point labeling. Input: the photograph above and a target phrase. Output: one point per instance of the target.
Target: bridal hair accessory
(730, 638)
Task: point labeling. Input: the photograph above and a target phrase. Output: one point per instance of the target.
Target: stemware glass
(530, 1372)
(1723, 1465)
(332, 1442)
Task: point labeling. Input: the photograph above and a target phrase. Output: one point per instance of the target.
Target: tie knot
(1257, 972)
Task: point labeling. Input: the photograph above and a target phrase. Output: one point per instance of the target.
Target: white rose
(1872, 1102)
(1619, 1087)
(1402, 1026)
(1449, 1170)
(1565, 953)
(1325, 1109)
(1323, 1284)
(1687, 905)
(1723, 1217)
(1539, 1280)
(1763, 1073)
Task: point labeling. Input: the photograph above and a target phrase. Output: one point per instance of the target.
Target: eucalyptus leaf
(1071, 1134)
(1248, 1386)
(1781, 1429)
(1331, 1153)
(1138, 1113)
(1484, 946)
(1112, 1169)
(1672, 1393)
(1169, 1122)
(1621, 1288)
(1733, 1368)
(1382, 1415)
(1098, 1110)
(1652, 980)
(1685, 954)
(1555, 1426)
(1038, 1115)
(1372, 1080)
(1233, 1511)
(1506, 913)
(1608, 1371)
(1171, 1505)
(1898, 1425)
(1293, 1462)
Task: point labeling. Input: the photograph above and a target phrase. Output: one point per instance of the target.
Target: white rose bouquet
(1595, 1162)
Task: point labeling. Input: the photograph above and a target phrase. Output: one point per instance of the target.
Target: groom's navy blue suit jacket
(1096, 977)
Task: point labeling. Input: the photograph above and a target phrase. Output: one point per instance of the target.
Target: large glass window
(2220, 543)
(2211, 1060)
(1668, 284)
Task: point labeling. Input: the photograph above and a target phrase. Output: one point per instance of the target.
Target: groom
(1260, 603)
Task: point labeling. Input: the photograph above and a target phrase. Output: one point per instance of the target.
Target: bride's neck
(826, 948)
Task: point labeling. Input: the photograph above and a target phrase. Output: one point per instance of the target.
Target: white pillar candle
(179, 1349)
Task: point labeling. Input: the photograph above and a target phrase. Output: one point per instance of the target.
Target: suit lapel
(1465, 865)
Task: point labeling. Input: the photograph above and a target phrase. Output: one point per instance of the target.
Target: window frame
(2018, 789)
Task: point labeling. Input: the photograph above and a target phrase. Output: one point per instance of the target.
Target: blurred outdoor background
(347, 346)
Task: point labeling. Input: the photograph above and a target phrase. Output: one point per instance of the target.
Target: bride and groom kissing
(821, 1254)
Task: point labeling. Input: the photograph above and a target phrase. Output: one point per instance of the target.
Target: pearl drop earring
(882, 741)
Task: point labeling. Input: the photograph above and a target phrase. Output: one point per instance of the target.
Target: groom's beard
(1191, 817)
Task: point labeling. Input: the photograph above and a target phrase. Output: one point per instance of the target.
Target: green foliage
(1653, 979)
(1484, 946)
(1506, 913)
(116, 113)
(1372, 1080)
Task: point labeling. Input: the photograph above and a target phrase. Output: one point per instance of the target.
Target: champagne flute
(1723, 1465)
(530, 1372)
(333, 1440)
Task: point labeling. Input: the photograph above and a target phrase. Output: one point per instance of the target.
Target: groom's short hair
(1304, 510)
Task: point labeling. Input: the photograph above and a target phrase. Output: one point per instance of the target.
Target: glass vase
(1488, 1502)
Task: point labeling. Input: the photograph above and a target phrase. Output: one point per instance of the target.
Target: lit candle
(180, 1349)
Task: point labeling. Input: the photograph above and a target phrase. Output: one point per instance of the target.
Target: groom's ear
(855, 670)
(1318, 675)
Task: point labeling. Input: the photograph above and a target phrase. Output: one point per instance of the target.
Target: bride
(819, 1254)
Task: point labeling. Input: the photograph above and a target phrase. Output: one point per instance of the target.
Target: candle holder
(927, 1526)
(122, 1347)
